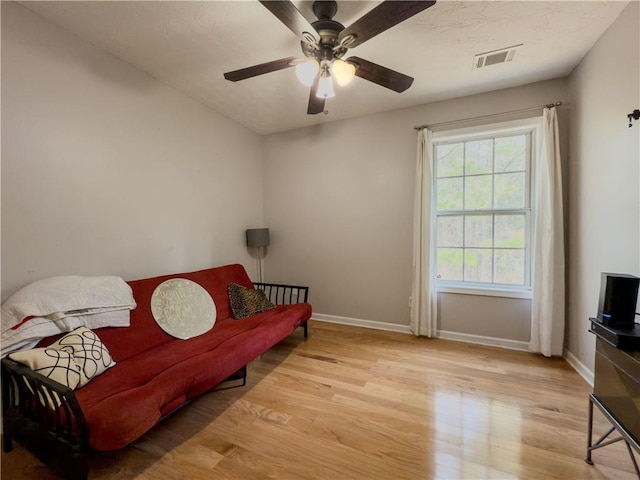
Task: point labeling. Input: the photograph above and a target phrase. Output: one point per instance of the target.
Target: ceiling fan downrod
(329, 46)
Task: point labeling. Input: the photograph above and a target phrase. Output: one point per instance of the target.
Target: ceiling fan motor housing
(329, 47)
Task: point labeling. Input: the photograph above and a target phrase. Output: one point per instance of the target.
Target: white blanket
(61, 304)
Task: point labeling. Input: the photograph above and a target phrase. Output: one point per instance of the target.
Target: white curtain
(423, 293)
(547, 309)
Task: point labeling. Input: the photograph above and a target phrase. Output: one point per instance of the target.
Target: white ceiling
(189, 45)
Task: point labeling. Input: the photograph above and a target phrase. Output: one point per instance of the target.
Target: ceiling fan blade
(288, 14)
(316, 104)
(396, 81)
(381, 18)
(261, 69)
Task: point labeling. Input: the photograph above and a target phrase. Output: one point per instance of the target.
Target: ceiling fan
(324, 42)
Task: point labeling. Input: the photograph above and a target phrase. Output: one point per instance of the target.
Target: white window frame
(530, 126)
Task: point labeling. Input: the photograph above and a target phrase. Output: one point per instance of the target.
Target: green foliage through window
(483, 210)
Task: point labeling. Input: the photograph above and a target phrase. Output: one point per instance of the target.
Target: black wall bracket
(635, 115)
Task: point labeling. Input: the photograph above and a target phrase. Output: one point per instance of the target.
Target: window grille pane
(450, 231)
(478, 157)
(450, 193)
(450, 263)
(511, 153)
(509, 231)
(450, 159)
(482, 209)
(478, 231)
(478, 265)
(509, 267)
(478, 192)
(509, 190)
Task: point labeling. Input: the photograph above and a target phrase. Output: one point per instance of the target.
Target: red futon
(154, 374)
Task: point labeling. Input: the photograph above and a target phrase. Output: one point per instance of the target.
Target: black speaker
(618, 298)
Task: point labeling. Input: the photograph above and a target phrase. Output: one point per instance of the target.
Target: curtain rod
(491, 115)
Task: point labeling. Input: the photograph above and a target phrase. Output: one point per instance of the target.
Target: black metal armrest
(46, 417)
(281, 294)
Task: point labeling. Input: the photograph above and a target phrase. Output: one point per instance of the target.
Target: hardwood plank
(366, 404)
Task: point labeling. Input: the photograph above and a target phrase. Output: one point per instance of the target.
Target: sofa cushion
(88, 352)
(246, 302)
(73, 360)
(52, 363)
(162, 376)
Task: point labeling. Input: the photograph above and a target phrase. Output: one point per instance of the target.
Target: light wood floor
(353, 403)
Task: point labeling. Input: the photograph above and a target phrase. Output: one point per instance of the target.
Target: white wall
(107, 171)
(604, 176)
(339, 201)
(481, 316)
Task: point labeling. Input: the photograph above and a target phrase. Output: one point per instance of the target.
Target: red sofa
(154, 374)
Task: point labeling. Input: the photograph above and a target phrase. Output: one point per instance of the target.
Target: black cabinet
(616, 387)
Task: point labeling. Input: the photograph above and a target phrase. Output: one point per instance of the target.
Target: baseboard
(393, 327)
(482, 340)
(571, 359)
(357, 322)
(579, 367)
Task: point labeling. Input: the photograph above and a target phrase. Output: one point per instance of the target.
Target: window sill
(487, 292)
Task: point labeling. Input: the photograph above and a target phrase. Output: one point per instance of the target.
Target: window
(483, 209)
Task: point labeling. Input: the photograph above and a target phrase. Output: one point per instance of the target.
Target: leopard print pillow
(246, 302)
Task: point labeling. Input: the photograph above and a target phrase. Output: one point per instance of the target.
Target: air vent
(496, 56)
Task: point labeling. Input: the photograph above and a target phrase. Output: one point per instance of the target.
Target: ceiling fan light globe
(307, 71)
(325, 88)
(343, 71)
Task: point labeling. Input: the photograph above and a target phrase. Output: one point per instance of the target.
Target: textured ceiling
(189, 45)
